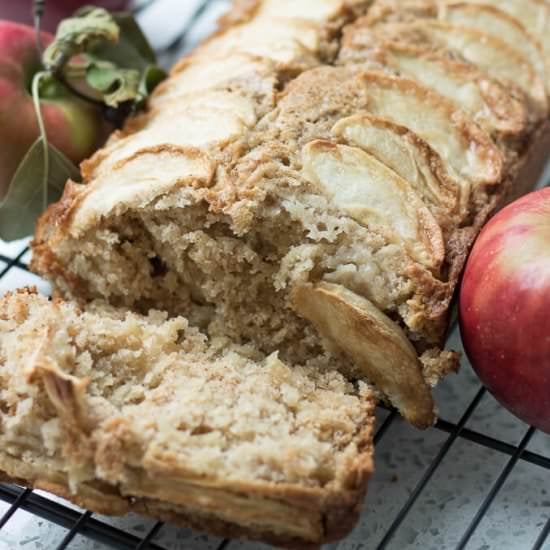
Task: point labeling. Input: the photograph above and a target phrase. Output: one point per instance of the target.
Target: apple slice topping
(486, 99)
(376, 197)
(533, 14)
(493, 21)
(463, 145)
(411, 158)
(294, 42)
(316, 10)
(213, 118)
(377, 345)
(136, 181)
(493, 55)
(505, 20)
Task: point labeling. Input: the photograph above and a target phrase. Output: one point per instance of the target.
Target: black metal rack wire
(84, 523)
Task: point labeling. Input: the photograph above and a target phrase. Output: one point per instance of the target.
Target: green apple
(75, 127)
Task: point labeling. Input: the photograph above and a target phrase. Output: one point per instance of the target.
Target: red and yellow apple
(505, 308)
(73, 126)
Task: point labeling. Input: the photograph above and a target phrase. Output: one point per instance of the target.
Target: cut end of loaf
(227, 253)
(238, 286)
(318, 149)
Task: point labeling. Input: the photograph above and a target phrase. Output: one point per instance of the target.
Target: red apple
(73, 126)
(505, 308)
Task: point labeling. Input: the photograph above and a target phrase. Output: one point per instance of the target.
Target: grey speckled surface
(444, 508)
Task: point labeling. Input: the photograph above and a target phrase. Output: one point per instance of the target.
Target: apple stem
(43, 135)
(38, 11)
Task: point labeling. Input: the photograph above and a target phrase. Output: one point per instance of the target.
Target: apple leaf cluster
(101, 58)
(112, 54)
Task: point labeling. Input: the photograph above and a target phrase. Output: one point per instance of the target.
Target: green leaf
(151, 77)
(131, 33)
(117, 85)
(23, 203)
(78, 34)
(131, 51)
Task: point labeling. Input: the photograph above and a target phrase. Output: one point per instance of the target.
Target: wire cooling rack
(480, 479)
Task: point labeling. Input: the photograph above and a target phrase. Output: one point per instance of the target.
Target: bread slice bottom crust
(305, 519)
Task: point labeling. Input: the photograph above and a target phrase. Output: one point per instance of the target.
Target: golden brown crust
(523, 176)
(337, 510)
(101, 499)
(338, 515)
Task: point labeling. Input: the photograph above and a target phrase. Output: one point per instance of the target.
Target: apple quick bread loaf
(298, 201)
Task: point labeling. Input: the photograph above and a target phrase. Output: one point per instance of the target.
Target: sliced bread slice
(120, 412)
